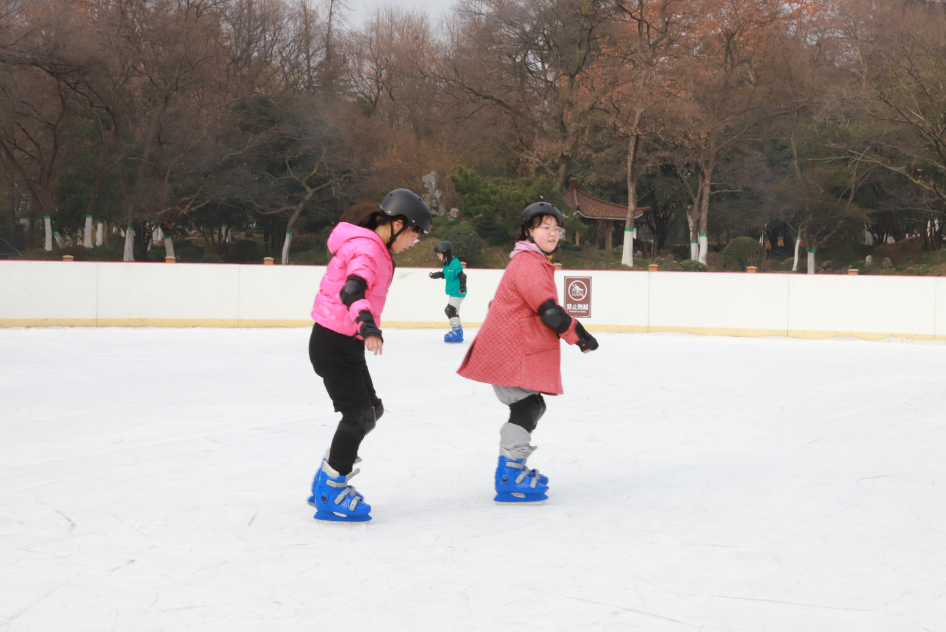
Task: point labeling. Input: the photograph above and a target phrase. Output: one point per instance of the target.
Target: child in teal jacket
(456, 288)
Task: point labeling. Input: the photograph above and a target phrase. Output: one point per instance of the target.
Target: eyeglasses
(417, 231)
(552, 230)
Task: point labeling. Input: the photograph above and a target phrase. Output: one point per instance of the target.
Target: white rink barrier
(95, 294)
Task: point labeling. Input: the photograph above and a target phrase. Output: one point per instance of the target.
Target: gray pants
(513, 439)
(454, 301)
(509, 395)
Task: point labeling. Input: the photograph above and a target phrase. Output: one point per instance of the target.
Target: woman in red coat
(517, 349)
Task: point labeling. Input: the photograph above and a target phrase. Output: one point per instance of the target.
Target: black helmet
(533, 210)
(407, 203)
(444, 248)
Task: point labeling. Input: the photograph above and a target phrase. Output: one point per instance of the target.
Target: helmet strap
(394, 235)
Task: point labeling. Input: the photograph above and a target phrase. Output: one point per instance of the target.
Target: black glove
(586, 342)
(368, 326)
(436, 275)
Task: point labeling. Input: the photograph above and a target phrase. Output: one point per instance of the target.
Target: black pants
(340, 361)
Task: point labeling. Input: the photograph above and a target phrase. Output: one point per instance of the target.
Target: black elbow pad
(554, 317)
(354, 290)
(461, 276)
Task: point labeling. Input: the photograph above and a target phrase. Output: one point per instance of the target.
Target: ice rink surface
(156, 479)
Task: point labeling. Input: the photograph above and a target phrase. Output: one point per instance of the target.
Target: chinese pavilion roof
(592, 208)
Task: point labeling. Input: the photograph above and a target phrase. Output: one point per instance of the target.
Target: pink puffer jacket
(357, 251)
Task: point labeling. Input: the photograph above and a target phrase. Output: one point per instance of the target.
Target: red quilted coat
(513, 347)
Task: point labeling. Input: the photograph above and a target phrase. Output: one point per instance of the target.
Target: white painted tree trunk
(59, 240)
(87, 233)
(627, 256)
(811, 261)
(631, 245)
(704, 247)
(694, 250)
(868, 238)
(129, 245)
(797, 247)
(99, 233)
(157, 235)
(627, 252)
(168, 246)
(229, 238)
(285, 247)
(48, 244)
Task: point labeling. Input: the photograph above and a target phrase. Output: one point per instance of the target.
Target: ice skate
(315, 479)
(455, 335)
(336, 500)
(318, 472)
(516, 483)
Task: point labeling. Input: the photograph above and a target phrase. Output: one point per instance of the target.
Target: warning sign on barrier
(578, 296)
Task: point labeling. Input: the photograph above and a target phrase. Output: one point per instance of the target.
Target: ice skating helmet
(444, 248)
(533, 210)
(407, 203)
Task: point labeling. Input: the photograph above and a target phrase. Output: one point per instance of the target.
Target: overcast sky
(362, 8)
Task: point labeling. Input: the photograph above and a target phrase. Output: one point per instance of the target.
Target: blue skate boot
(455, 335)
(516, 483)
(318, 472)
(315, 479)
(337, 501)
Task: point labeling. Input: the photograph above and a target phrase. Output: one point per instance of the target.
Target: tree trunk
(98, 234)
(87, 233)
(48, 243)
(14, 206)
(704, 213)
(168, 246)
(693, 219)
(797, 248)
(129, 254)
(562, 175)
(285, 247)
(811, 261)
(627, 255)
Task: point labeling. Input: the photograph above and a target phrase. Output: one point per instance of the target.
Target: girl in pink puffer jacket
(347, 309)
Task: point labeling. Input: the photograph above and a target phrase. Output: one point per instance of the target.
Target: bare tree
(526, 60)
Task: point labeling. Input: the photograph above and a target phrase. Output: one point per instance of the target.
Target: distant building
(593, 209)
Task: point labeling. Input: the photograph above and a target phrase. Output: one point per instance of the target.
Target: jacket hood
(346, 232)
(528, 246)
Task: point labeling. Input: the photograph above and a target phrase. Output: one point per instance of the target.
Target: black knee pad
(527, 412)
(451, 311)
(358, 422)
